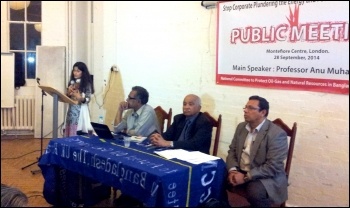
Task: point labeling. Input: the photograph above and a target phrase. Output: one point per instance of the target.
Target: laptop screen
(102, 130)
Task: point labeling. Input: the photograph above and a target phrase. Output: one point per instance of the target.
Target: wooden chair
(291, 133)
(162, 116)
(217, 125)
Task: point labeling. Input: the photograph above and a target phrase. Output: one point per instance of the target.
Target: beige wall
(170, 49)
(4, 27)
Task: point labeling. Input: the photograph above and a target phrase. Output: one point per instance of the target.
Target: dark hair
(12, 197)
(85, 80)
(141, 94)
(263, 104)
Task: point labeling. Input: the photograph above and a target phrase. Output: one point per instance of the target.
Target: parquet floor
(18, 152)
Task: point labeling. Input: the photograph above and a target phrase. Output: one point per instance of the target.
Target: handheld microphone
(75, 83)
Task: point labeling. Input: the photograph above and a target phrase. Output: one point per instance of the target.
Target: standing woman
(80, 88)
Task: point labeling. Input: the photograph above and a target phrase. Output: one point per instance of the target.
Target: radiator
(20, 117)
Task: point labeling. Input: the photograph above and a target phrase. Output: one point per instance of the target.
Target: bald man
(190, 130)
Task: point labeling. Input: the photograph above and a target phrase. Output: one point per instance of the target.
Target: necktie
(185, 131)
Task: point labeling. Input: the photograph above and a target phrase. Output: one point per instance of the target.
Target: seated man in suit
(255, 157)
(190, 130)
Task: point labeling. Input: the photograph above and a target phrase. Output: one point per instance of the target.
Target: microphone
(77, 81)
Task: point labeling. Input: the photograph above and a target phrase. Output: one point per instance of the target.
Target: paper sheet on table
(137, 138)
(171, 153)
(194, 157)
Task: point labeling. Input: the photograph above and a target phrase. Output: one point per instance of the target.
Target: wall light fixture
(37, 27)
(209, 4)
(18, 5)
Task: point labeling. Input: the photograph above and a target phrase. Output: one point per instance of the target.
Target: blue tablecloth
(136, 171)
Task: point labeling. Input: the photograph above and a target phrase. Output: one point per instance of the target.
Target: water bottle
(100, 120)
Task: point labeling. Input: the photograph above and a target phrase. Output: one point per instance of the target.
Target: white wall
(170, 48)
(4, 27)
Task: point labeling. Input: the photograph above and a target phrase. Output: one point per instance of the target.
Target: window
(25, 35)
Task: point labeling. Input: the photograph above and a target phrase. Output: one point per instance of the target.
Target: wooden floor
(18, 152)
(21, 151)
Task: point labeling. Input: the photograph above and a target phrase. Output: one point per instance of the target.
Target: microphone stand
(42, 127)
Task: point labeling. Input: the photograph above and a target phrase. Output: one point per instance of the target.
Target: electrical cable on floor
(59, 127)
(11, 158)
(35, 196)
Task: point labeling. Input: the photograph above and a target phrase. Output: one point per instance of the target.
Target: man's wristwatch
(246, 179)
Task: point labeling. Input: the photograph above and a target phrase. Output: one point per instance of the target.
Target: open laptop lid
(102, 130)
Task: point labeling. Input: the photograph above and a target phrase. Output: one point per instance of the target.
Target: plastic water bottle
(100, 120)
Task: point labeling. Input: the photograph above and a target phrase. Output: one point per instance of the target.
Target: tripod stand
(42, 125)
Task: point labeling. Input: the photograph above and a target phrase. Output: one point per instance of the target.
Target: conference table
(136, 171)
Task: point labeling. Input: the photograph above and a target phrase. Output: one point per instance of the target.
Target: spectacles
(131, 98)
(249, 107)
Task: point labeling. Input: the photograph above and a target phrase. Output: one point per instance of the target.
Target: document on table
(194, 157)
(138, 138)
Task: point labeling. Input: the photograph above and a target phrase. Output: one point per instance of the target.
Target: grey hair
(12, 197)
(198, 100)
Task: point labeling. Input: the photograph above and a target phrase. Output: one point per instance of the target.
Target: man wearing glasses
(255, 159)
(140, 118)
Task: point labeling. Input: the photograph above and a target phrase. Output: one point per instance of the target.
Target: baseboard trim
(17, 132)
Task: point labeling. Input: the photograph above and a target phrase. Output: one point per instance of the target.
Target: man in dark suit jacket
(190, 130)
(255, 159)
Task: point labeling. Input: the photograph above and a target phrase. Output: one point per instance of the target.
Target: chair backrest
(162, 116)
(217, 124)
(291, 133)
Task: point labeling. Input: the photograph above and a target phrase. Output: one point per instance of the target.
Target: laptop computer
(103, 131)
